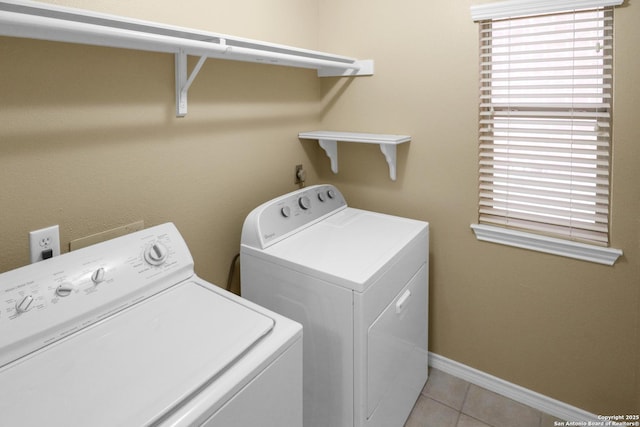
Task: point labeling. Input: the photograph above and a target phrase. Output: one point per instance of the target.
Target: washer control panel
(278, 218)
(49, 300)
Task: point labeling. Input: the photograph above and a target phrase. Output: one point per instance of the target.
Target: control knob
(98, 276)
(286, 211)
(304, 202)
(64, 290)
(156, 254)
(331, 194)
(24, 304)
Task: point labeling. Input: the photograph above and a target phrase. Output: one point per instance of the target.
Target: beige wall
(567, 329)
(89, 140)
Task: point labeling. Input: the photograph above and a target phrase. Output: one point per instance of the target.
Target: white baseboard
(515, 392)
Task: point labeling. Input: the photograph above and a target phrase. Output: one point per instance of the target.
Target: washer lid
(133, 367)
(348, 248)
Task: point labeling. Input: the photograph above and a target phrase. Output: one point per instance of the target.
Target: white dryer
(358, 283)
(124, 334)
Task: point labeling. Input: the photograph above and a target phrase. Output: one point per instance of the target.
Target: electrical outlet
(43, 240)
(301, 175)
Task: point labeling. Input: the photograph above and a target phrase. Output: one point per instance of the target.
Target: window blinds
(545, 114)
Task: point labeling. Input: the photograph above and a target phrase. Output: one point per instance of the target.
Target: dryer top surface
(351, 244)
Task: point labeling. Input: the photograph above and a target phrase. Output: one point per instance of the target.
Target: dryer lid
(349, 247)
(135, 366)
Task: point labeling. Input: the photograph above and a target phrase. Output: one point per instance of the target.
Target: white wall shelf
(329, 142)
(43, 21)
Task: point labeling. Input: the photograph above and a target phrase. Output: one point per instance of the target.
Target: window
(545, 124)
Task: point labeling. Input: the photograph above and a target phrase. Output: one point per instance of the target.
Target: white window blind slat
(513, 63)
(567, 188)
(551, 86)
(541, 122)
(596, 129)
(549, 69)
(556, 219)
(554, 75)
(544, 123)
(559, 114)
(557, 144)
(513, 144)
(517, 95)
(560, 105)
(585, 197)
(555, 202)
(545, 212)
(540, 179)
(544, 163)
(577, 49)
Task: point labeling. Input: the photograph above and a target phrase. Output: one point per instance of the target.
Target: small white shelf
(328, 140)
(43, 21)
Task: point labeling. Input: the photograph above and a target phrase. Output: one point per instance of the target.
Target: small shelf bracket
(183, 82)
(328, 140)
(330, 147)
(389, 151)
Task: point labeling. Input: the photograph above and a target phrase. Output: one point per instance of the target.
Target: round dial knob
(331, 194)
(24, 304)
(322, 197)
(156, 254)
(304, 202)
(285, 211)
(98, 276)
(64, 290)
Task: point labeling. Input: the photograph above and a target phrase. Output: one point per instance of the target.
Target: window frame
(524, 239)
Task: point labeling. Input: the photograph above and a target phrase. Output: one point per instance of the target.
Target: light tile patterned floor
(447, 401)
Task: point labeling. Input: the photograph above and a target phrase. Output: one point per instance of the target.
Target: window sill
(550, 245)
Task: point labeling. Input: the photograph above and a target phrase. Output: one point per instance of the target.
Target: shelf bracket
(330, 147)
(183, 82)
(389, 151)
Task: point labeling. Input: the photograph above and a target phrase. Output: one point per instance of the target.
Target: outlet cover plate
(40, 240)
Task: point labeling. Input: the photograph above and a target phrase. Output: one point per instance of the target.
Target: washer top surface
(349, 247)
(143, 361)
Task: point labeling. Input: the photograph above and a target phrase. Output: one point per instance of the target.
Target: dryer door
(397, 350)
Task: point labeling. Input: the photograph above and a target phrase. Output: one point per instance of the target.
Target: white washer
(123, 333)
(358, 283)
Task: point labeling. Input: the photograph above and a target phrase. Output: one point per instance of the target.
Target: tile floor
(447, 401)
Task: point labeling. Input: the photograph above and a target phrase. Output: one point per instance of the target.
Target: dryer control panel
(281, 217)
(50, 300)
